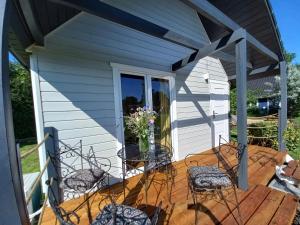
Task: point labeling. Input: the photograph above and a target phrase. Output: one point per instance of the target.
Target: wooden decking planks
(267, 209)
(259, 205)
(286, 211)
(247, 207)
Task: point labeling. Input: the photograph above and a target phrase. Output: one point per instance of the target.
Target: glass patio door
(140, 91)
(161, 105)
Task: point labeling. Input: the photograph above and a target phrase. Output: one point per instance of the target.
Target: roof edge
(275, 27)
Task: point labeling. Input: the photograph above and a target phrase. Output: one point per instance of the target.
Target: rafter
(211, 48)
(211, 12)
(257, 73)
(119, 16)
(32, 23)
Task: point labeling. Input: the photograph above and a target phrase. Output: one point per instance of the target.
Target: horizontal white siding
(77, 100)
(193, 107)
(76, 78)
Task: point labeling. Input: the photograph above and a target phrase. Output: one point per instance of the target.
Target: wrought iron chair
(110, 212)
(208, 181)
(79, 173)
(63, 216)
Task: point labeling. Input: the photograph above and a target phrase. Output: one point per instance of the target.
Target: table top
(292, 170)
(132, 153)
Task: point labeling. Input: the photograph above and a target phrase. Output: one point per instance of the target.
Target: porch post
(12, 204)
(241, 85)
(282, 112)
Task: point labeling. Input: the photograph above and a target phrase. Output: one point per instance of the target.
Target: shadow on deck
(259, 205)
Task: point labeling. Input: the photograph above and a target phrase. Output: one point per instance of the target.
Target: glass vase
(143, 145)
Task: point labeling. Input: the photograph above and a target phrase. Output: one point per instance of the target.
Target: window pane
(133, 96)
(161, 105)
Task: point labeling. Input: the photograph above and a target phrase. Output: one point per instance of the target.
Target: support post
(13, 208)
(282, 112)
(52, 172)
(241, 84)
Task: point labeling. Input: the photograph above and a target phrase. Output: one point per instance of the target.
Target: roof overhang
(257, 18)
(220, 18)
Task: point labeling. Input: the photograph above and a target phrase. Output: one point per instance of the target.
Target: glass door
(133, 96)
(161, 105)
(139, 91)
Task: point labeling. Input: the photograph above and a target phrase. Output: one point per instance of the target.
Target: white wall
(76, 82)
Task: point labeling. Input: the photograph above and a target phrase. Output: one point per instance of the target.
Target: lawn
(31, 163)
(296, 154)
(297, 121)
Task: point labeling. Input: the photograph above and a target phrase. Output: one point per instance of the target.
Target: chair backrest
(234, 148)
(64, 217)
(69, 159)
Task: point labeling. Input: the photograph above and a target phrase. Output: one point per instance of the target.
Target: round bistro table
(135, 162)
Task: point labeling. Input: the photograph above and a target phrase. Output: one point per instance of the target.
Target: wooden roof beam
(229, 58)
(119, 16)
(106, 11)
(216, 46)
(257, 73)
(211, 12)
(31, 22)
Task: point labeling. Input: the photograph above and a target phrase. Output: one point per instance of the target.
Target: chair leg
(197, 206)
(86, 198)
(146, 186)
(238, 204)
(168, 179)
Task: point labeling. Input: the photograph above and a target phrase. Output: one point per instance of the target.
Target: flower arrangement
(141, 124)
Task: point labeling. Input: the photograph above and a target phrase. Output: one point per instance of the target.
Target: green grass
(31, 163)
(296, 153)
(297, 121)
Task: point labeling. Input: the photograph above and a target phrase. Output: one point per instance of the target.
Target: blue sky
(287, 13)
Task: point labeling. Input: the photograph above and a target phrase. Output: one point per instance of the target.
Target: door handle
(214, 114)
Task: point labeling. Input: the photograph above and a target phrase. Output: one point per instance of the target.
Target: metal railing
(38, 178)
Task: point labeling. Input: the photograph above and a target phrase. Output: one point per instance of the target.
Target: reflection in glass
(161, 105)
(133, 96)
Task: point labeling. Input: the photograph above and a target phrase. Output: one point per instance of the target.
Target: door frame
(118, 69)
(211, 81)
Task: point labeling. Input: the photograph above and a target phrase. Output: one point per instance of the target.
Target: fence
(261, 139)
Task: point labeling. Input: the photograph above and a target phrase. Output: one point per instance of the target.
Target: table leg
(146, 185)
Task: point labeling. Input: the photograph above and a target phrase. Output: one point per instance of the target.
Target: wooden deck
(259, 205)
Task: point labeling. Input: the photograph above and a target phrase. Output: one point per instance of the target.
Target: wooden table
(292, 170)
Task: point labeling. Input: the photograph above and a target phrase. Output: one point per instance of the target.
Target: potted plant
(141, 124)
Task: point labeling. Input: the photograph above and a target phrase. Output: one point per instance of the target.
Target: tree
(251, 99)
(293, 89)
(293, 84)
(289, 57)
(22, 103)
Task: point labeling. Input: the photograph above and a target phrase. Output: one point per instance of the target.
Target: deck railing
(262, 138)
(38, 178)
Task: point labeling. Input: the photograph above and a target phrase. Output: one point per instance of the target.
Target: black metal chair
(208, 181)
(63, 216)
(79, 173)
(111, 213)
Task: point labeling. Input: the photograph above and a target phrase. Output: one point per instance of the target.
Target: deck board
(258, 205)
